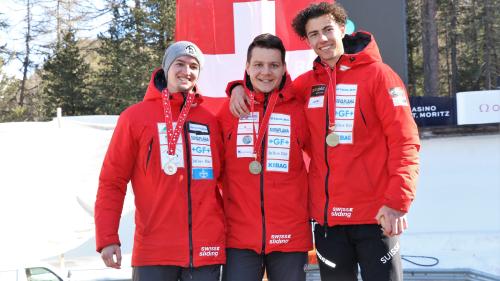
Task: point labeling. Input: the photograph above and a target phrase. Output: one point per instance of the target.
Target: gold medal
(332, 139)
(255, 167)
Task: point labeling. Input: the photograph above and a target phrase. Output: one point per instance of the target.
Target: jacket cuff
(402, 205)
(231, 85)
(106, 242)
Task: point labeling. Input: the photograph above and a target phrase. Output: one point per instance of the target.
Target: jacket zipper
(190, 212)
(327, 196)
(262, 211)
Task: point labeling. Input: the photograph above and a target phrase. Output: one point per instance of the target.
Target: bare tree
(27, 51)
(430, 48)
(490, 58)
(452, 46)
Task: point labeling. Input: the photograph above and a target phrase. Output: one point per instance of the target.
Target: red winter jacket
(267, 212)
(376, 162)
(179, 219)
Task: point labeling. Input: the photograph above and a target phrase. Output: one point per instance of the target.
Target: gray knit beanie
(179, 49)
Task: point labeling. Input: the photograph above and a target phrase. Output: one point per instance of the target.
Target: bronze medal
(332, 139)
(255, 167)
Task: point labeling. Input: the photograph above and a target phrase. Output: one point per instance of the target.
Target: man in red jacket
(364, 148)
(169, 147)
(265, 179)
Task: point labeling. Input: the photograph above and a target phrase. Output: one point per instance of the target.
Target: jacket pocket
(148, 155)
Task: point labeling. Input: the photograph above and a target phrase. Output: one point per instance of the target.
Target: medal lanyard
(173, 134)
(265, 121)
(332, 94)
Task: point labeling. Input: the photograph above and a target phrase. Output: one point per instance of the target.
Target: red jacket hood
(158, 83)
(360, 48)
(284, 88)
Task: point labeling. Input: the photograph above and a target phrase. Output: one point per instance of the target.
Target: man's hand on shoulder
(108, 253)
(393, 222)
(238, 105)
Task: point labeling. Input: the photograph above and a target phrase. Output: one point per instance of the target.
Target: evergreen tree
(125, 63)
(9, 110)
(64, 80)
(159, 24)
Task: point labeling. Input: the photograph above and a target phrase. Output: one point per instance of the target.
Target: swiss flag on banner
(223, 29)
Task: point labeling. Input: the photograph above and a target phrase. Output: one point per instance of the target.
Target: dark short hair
(315, 11)
(267, 41)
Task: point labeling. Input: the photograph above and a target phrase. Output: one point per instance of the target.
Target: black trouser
(346, 246)
(247, 265)
(176, 273)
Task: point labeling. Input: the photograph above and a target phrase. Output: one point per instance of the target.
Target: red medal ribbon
(265, 121)
(173, 134)
(332, 94)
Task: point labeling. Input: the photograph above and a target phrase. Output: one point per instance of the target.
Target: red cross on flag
(223, 29)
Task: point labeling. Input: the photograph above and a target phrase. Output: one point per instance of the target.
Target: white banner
(479, 107)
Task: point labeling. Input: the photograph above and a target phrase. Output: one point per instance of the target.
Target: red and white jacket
(179, 218)
(267, 212)
(376, 162)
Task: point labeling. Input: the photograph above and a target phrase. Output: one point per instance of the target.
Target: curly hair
(318, 10)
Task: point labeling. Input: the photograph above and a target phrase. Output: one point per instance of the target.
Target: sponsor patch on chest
(317, 97)
(345, 111)
(201, 152)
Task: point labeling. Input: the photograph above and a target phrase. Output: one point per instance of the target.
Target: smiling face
(266, 69)
(183, 74)
(324, 36)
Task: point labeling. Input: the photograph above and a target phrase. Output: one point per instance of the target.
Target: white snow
(49, 176)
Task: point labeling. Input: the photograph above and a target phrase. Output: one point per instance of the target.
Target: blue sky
(14, 12)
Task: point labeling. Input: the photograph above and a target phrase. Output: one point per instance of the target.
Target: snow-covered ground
(49, 175)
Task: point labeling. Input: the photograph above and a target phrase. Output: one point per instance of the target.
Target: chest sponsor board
(200, 139)
(277, 165)
(346, 89)
(200, 128)
(345, 137)
(202, 173)
(344, 113)
(244, 140)
(247, 128)
(279, 130)
(278, 153)
(280, 142)
(345, 101)
(280, 119)
(344, 125)
(244, 152)
(201, 161)
(252, 117)
(202, 150)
